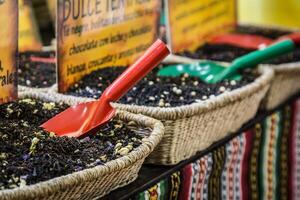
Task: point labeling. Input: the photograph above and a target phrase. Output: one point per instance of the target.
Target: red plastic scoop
(294, 36)
(84, 118)
(248, 41)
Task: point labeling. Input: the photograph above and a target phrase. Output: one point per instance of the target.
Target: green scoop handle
(253, 59)
(213, 72)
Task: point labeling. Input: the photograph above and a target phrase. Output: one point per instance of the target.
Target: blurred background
(270, 12)
(285, 13)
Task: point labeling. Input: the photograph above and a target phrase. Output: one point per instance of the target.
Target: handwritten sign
(93, 34)
(29, 37)
(8, 49)
(190, 22)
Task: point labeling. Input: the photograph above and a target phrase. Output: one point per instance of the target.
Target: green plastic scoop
(211, 72)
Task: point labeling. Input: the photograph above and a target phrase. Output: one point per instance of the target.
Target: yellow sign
(8, 49)
(29, 37)
(93, 34)
(285, 13)
(192, 22)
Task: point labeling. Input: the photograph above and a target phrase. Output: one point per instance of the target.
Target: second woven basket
(286, 83)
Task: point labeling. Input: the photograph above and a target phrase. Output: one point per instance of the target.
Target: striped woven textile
(167, 189)
(261, 163)
(294, 154)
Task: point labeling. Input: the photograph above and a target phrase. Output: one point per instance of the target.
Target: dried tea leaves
(157, 91)
(29, 155)
(36, 74)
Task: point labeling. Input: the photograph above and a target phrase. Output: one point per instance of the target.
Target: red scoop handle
(241, 40)
(151, 58)
(251, 41)
(294, 36)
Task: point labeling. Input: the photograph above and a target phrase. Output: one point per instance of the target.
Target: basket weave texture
(97, 181)
(192, 128)
(286, 83)
(22, 88)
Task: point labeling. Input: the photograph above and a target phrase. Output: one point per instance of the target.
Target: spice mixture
(29, 154)
(158, 91)
(224, 52)
(36, 74)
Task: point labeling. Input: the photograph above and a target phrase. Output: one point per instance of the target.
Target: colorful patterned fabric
(195, 178)
(294, 154)
(167, 189)
(261, 163)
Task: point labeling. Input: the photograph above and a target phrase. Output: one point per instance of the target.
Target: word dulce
(191, 23)
(8, 49)
(94, 34)
(76, 9)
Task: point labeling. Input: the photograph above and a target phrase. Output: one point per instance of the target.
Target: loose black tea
(29, 154)
(36, 74)
(224, 52)
(157, 91)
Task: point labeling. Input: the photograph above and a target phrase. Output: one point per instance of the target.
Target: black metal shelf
(151, 174)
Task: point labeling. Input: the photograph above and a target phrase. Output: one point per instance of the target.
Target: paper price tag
(190, 23)
(93, 34)
(8, 49)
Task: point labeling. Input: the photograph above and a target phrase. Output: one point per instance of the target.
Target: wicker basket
(177, 59)
(191, 128)
(22, 88)
(97, 181)
(286, 83)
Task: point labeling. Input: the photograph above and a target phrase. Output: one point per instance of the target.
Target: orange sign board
(190, 22)
(8, 49)
(94, 34)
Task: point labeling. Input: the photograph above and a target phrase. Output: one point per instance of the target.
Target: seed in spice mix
(224, 52)
(36, 74)
(29, 154)
(158, 91)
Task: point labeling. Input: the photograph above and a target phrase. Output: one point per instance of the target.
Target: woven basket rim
(22, 88)
(284, 67)
(68, 181)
